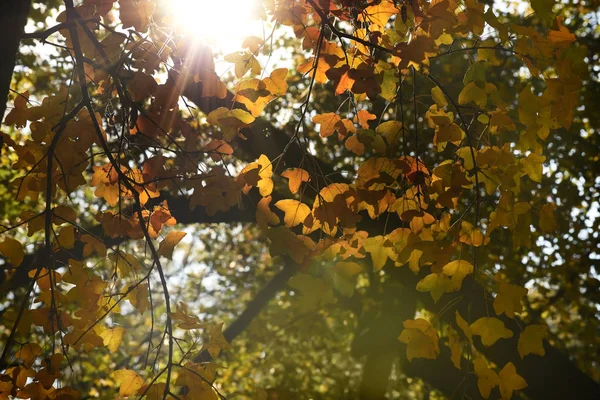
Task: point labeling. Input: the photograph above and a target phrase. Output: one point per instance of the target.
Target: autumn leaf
(113, 338)
(487, 378)
(327, 122)
(464, 326)
(531, 340)
(510, 381)
(296, 176)
(508, 299)
(167, 245)
(380, 249)
(439, 97)
(264, 215)
(421, 339)
(128, 380)
(139, 297)
(244, 62)
(295, 212)
(13, 250)
(490, 330)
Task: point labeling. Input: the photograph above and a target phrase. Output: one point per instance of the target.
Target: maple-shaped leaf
(167, 245)
(487, 378)
(29, 353)
(230, 121)
(264, 215)
(216, 340)
(533, 166)
(379, 13)
(12, 249)
(531, 340)
(436, 284)
(490, 330)
(252, 43)
(363, 117)
(276, 83)
(473, 93)
(561, 36)
(244, 62)
(380, 249)
(510, 381)
(128, 380)
(295, 212)
(113, 338)
(328, 122)
(139, 297)
(508, 299)
(184, 319)
(296, 176)
(421, 339)
(20, 113)
(457, 270)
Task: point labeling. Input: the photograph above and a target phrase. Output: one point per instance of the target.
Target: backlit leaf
(490, 330)
(167, 245)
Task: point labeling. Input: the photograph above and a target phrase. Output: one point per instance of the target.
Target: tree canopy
(369, 199)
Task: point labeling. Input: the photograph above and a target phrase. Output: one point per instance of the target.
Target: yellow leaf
(113, 338)
(244, 62)
(421, 339)
(472, 93)
(295, 212)
(508, 299)
(296, 176)
(533, 166)
(29, 353)
(276, 83)
(264, 215)
(380, 250)
(547, 220)
(166, 247)
(66, 237)
(128, 380)
(455, 347)
(13, 250)
(155, 392)
(265, 184)
(327, 122)
(510, 381)
(139, 297)
(438, 97)
(457, 270)
(531, 340)
(487, 378)
(490, 330)
(464, 326)
(436, 284)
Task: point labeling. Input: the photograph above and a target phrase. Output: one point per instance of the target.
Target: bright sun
(219, 23)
